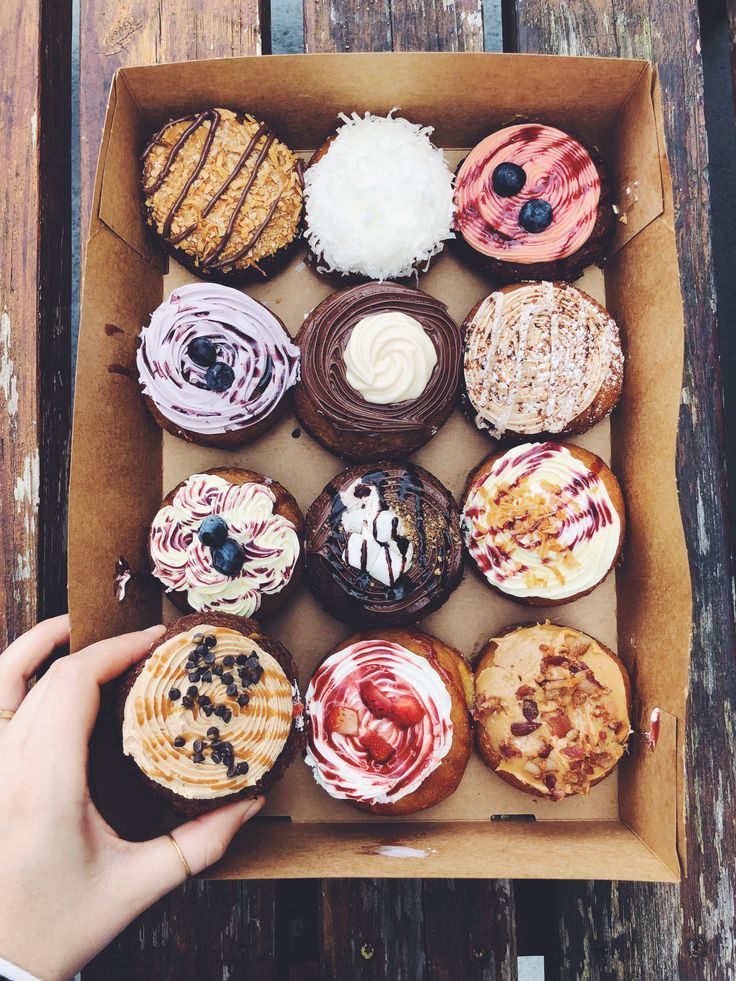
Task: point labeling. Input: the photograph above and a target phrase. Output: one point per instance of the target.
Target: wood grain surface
(627, 930)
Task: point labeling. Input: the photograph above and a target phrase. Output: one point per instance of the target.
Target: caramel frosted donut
(228, 541)
(552, 706)
(540, 358)
(380, 370)
(215, 366)
(223, 193)
(388, 725)
(383, 544)
(533, 203)
(544, 523)
(213, 713)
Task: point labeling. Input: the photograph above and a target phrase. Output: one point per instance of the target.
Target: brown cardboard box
(631, 825)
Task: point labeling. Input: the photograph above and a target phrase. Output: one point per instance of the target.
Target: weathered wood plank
(35, 229)
(637, 931)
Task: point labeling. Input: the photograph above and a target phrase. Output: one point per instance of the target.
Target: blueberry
(535, 215)
(508, 179)
(212, 532)
(202, 352)
(228, 558)
(219, 377)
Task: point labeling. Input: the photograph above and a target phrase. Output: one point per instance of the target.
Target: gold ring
(180, 853)
(7, 713)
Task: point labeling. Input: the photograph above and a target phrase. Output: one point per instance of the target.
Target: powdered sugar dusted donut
(540, 358)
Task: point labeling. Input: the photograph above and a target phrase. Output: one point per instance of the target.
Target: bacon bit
(574, 752)
(524, 691)
(550, 781)
(509, 751)
(579, 666)
(486, 705)
(545, 751)
(377, 747)
(530, 709)
(553, 660)
(579, 647)
(524, 728)
(559, 724)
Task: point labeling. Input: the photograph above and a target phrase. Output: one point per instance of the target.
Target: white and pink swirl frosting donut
(341, 762)
(559, 170)
(269, 541)
(246, 337)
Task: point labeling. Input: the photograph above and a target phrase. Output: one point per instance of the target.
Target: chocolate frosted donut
(544, 523)
(540, 358)
(215, 366)
(532, 202)
(383, 544)
(223, 194)
(380, 366)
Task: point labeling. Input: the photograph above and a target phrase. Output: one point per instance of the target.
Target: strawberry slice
(342, 719)
(559, 724)
(406, 711)
(378, 749)
(374, 700)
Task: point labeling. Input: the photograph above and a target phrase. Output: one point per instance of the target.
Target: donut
(215, 366)
(543, 523)
(383, 544)
(388, 721)
(552, 707)
(540, 358)
(533, 202)
(228, 541)
(380, 370)
(223, 194)
(212, 713)
(378, 199)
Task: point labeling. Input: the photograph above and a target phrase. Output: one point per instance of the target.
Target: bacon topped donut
(533, 203)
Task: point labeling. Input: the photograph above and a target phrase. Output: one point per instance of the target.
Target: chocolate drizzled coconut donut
(543, 523)
(540, 358)
(383, 544)
(533, 203)
(223, 194)
(380, 370)
(215, 366)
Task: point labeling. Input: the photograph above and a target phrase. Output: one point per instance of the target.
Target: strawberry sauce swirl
(340, 763)
(558, 170)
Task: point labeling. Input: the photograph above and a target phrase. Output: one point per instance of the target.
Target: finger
(157, 866)
(25, 656)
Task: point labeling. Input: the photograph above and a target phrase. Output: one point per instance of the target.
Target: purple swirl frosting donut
(213, 361)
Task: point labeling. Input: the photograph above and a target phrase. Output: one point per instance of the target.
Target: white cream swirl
(269, 542)
(541, 523)
(341, 763)
(389, 358)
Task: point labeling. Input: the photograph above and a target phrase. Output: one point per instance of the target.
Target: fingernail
(156, 630)
(253, 807)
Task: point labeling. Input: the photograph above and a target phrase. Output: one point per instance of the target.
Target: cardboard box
(631, 826)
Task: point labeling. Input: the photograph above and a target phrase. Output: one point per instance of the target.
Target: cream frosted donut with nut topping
(228, 540)
(543, 523)
(213, 713)
(552, 707)
(540, 358)
(387, 721)
(215, 366)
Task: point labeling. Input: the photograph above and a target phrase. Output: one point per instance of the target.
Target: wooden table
(370, 929)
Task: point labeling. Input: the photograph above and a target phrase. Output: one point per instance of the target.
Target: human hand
(68, 883)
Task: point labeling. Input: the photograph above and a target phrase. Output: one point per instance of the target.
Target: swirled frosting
(369, 524)
(541, 523)
(536, 356)
(558, 169)
(341, 763)
(159, 732)
(247, 337)
(553, 704)
(328, 334)
(389, 358)
(269, 542)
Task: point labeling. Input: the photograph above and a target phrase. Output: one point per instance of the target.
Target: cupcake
(552, 706)
(540, 358)
(215, 367)
(543, 523)
(383, 544)
(533, 203)
(228, 541)
(378, 199)
(223, 194)
(380, 370)
(388, 725)
(213, 713)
